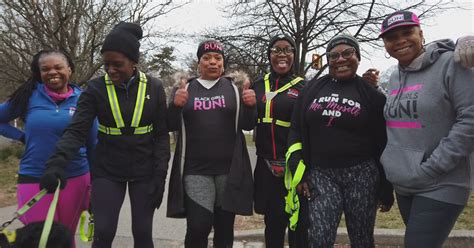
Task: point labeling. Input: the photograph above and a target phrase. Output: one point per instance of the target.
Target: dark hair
(21, 96)
(30, 235)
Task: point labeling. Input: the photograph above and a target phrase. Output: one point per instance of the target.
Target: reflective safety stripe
(267, 118)
(117, 131)
(277, 122)
(137, 113)
(143, 130)
(115, 107)
(292, 202)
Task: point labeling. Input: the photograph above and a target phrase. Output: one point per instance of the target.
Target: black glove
(385, 190)
(49, 180)
(157, 188)
(385, 195)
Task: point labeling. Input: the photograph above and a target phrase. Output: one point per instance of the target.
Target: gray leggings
(428, 222)
(334, 191)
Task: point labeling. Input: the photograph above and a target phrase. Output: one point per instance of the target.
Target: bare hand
(304, 190)
(372, 76)
(181, 95)
(248, 95)
(464, 51)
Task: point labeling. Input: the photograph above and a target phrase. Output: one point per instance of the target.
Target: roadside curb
(386, 237)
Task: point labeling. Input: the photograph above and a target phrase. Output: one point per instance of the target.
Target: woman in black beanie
(337, 137)
(133, 142)
(272, 126)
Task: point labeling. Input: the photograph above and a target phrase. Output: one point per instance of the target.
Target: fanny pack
(276, 167)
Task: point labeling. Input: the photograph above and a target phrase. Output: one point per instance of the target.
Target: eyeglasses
(346, 53)
(279, 50)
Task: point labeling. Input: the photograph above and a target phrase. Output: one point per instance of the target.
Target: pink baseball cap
(398, 19)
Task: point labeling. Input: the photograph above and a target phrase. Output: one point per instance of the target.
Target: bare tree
(76, 26)
(312, 23)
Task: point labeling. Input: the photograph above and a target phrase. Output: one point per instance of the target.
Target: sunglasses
(279, 50)
(346, 53)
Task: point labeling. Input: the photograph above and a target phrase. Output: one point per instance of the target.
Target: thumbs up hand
(248, 95)
(181, 95)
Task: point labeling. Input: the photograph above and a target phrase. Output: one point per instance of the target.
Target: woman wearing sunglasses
(338, 131)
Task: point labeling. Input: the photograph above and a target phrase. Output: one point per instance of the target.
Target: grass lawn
(9, 160)
(388, 220)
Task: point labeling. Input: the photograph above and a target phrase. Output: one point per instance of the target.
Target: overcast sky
(201, 14)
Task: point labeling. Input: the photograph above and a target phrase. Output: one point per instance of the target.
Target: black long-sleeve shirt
(340, 123)
(332, 139)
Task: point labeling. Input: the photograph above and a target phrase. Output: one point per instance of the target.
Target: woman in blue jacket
(46, 103)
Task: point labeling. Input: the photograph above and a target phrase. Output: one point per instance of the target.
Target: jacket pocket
(403, 167)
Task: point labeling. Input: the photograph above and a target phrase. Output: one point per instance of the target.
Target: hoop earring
(387, 55)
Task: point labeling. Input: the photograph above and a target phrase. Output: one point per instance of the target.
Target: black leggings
(107, 199)
(428, 222)
(350, 190)
(269, 200)
(203, 196)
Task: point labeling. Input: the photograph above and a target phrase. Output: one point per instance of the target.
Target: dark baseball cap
(398, 19)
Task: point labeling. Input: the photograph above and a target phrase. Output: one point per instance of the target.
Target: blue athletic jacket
(44, 125)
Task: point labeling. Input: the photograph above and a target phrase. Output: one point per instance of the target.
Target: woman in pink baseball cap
(430, 130)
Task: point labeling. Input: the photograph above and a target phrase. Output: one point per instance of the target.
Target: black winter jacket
(272, 137)
(238, 196)
(125, 157)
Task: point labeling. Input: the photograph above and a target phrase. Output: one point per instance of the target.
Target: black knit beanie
(209, 46)
(344, 39)
(124, 38)
(278, 37)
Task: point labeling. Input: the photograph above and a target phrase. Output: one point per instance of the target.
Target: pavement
(170, 233)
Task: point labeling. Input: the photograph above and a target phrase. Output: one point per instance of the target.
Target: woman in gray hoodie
(430, 131)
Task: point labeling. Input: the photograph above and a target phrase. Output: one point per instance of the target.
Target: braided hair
(20, 98)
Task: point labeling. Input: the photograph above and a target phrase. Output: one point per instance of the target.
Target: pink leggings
(73, 199)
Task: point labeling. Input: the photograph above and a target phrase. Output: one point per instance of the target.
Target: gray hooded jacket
(430, 126)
